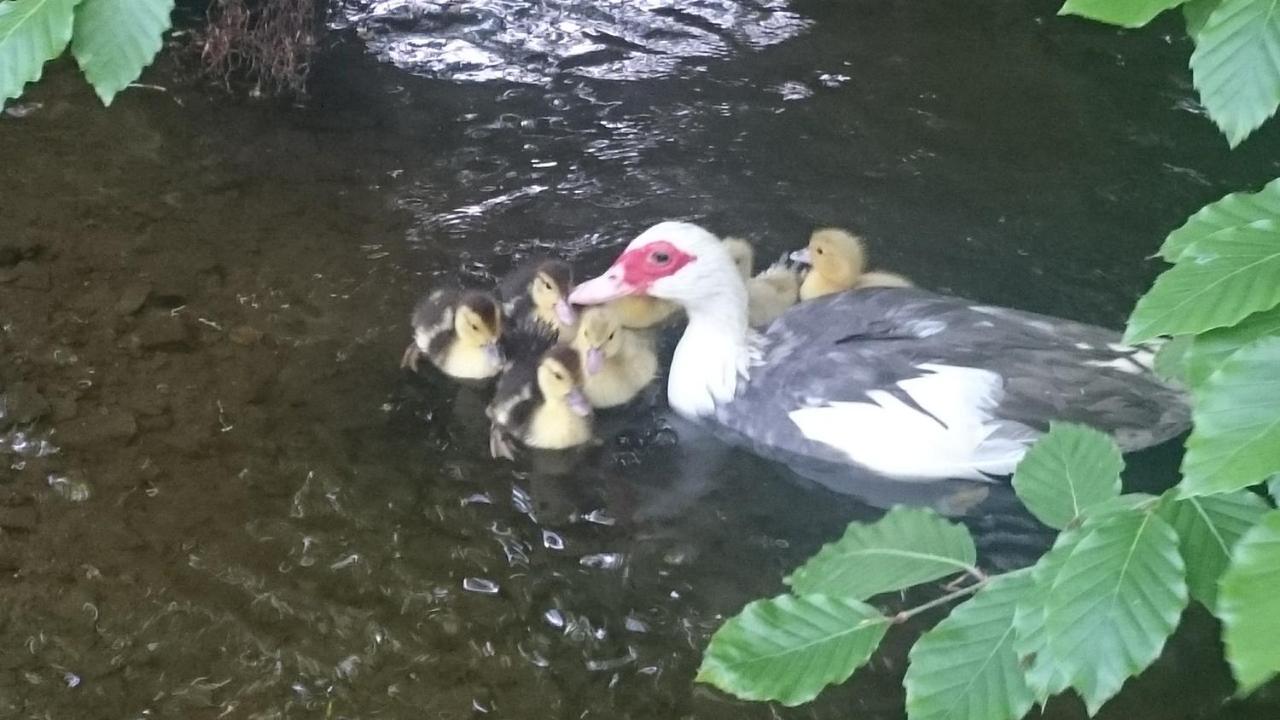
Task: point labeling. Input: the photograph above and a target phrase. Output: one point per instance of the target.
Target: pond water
(221, 498)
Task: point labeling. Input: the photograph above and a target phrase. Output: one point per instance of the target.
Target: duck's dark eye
(818, 250)
(661, 258)
(611, 335)
(475, 327)
(557, 376)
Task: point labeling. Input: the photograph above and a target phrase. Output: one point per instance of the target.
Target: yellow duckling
(770, 293)
(540, 404)
(458, 331)
(641, 312)
(619, 362)
(540, 289)
(839, 262)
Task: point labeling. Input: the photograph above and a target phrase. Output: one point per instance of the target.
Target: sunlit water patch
(536, 42)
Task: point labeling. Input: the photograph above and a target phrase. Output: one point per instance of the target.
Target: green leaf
(1236, 65)
(1209, 350)
(1196, 14)
(1208, 528)
(115, 39)
(1068, 470)
(1232, 211)
(32, 32)
(788, 648)
(1249, 603)
(1044, 676)
(1114, 603)
(1236, 439)
(1273, 489)
(1125, 13)
(1218, 281)
(906, 547)
(1171, 359)
(965, 668)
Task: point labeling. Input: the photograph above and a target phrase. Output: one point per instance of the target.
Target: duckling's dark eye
(611, 335)
(661, 258)
(818, 250)
(557, 376)
(475, 327)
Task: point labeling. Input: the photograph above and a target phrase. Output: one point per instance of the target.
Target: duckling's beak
(578, 402)
(609, 286)
(493, 353)
(595, 360)
(801, 256)
(564, 311)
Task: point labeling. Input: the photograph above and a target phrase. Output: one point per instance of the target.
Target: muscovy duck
(906, 384)
(539, 289)
(839, 262)
(770, 293)
(459, 332)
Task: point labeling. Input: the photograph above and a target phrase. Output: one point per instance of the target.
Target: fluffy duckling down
(540, 289)
(459, 332)
(539, 403)
(839, 262)
(770, 293)
(641, 312)
(619, 362)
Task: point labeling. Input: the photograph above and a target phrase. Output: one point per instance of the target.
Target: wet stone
(105, 425)
(133, 298)
(23, 404)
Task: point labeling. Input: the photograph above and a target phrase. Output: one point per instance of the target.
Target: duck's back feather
(918, 386)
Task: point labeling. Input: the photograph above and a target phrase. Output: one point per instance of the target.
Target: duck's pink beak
(609, 286)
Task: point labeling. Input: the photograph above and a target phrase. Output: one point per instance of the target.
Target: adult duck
(900, 382)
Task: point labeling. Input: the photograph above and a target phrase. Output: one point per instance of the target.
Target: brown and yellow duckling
(619, 362)
(839, 262)
(459, 332)
(539, 288)
(539, 403)
(770, 293)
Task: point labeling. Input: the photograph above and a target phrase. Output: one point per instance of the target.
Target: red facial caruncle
(641, 267)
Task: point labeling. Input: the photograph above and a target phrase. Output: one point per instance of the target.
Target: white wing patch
(1122, 364)
(895, 439)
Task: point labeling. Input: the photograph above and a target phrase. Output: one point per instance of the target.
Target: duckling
(641, 312)
(770, 293)
(540, 403)
(839, 261)
(619, 362)
(540, 288)
(458, 331)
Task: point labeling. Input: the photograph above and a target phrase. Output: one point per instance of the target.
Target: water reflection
(533, 43)
(281, 524)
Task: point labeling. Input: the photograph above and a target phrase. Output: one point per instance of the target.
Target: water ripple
(535, 42)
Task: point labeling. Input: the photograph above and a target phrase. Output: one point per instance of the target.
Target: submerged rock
(161, 332)
(22, 404)
(104, 426)
(133, 298)
(23, 517)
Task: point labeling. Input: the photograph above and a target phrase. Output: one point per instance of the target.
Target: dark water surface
(220, 498)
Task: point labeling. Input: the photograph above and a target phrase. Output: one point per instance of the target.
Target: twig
(905, 615)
